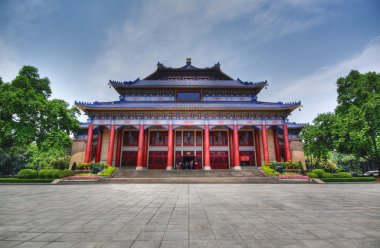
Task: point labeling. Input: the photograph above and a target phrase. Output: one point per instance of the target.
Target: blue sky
(300, 46)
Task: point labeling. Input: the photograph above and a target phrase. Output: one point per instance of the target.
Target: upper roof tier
(188, 71)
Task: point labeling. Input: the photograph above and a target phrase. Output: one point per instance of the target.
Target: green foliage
(312, 175)
(107, 171)
(94, 167)
(66, 173)
(269, 171)
(327, 175)
(42, 173)
(352, 179)
(60, 163)
(343, 175)
(27, 174)
(319, 172)
(17, 180)
(53, 174)
(354, 127)
(28, 117)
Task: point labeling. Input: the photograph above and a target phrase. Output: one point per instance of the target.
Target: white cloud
(318, 90)
(207, 31)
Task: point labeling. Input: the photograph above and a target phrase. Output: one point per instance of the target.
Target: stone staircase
(189, 176)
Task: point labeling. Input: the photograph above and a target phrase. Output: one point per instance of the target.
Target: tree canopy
(354, 126)
(28, 115)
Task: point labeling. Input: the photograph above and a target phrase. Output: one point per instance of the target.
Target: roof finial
(188, 61)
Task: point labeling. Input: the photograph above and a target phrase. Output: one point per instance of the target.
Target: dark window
(158, 138)
(188, 138)
(178, 138)
(188, 96)
(246, 138)
(130, 138)
(218, 138)
(199, 138)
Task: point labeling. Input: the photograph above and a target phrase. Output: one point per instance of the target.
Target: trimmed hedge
(53, 174)
(343, 175)
(42, 173)
(27, 174)
(17, 180)
(327, 175)
(319, 172)
(66, 173)
(312, 175)
(352, 179)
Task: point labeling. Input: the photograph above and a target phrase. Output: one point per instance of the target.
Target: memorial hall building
(200, 116)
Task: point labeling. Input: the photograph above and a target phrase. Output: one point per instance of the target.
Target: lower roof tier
(188, 106)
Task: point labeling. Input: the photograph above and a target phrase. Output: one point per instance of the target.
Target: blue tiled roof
(222, 83)
(187, 105)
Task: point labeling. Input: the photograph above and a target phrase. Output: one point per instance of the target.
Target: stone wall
(296, 148)
(77, 151)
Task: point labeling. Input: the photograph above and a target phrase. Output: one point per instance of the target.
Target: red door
(219, 160)
(128, 158)
(158, 160)
(247, 158)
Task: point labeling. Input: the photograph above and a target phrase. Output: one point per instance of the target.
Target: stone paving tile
(190, 216)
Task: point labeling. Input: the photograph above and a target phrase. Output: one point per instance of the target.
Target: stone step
(124, 173)
(193, 180)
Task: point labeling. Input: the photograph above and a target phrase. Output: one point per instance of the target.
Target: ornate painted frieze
(192, 115)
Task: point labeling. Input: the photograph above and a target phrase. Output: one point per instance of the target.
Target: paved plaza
(126, 215)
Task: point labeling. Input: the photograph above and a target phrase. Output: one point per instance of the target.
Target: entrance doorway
(188, 162)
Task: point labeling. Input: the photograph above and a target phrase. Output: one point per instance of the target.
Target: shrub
(312, 175)
(53, 174)
(97, 167)
(343, 175)
(83, 166)
(319, 172)
(42, 173)
(107, 172)
(299, 165)
(270, 165)
(60, 163)
(27, 174)
(353, 179)
(327, 175)
(66, 173)
(268, 170)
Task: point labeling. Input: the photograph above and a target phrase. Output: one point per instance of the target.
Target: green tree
(28, 116)
(354, 127)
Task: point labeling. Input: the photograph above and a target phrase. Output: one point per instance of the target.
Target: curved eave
(125, 86)
(90, 108)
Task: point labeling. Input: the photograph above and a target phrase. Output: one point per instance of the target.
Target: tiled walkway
(190, 215)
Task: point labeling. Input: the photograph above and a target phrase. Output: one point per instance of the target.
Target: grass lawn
(16, 180)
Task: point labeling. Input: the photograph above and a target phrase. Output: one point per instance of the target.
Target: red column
(207, 148)
(288, 156)
(276, 146)
(231, 139)
(170, 147)
(111, 144)
(257, 145)
(140, 148)
(87, 155)
(99, 146)
(145, 154)
(236, 148)
(265, 142)
(118, 147)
